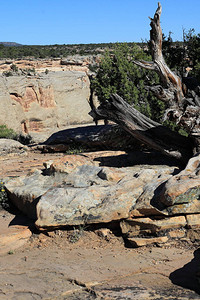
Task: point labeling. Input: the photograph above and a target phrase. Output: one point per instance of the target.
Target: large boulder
(87, 193)
(60, 196)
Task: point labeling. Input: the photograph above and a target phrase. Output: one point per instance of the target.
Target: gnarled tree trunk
(183, 106)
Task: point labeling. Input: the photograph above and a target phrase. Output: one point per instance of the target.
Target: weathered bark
(172, 85)
(183, 104)
(146, 130)
(89, 138)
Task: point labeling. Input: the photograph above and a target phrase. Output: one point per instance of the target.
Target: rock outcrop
(88, 193)
(12, 147)
(44, 102)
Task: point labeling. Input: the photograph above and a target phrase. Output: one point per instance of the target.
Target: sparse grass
(77, 234)
(75, 149)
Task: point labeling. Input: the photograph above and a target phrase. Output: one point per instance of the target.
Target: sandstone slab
(59, 196)
(12, 236)
(85, 205)
(139, 242)
(66, 164)
(75, 190)
(193, 221)
(184, 187)
(138, 226)
(25, 191)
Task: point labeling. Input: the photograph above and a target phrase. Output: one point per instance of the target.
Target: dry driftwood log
(183, 106)
(146, 130)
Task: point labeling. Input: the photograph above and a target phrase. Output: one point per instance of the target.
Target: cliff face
(45, 103)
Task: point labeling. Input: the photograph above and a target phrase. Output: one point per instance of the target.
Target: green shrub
(8, 73)
(77, 233)
(117, 73)
(76, 149)
(14, 68)
(7, 133)
(4, 203)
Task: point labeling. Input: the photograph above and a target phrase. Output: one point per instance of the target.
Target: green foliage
(24, 139)
(7, 133)
(4, 203)
(193, 52)
(117, 73)
(180, 55)
(13, 71)
(48, 51)
(29, 71)
(14, 68)
(8, 73)
(75, 149)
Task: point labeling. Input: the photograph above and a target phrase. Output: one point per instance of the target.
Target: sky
(48, 22)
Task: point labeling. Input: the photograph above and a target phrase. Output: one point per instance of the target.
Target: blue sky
(44, 22)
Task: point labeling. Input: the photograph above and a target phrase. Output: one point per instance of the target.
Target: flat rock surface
(59, 265)
(11, 147)
(81, 263)
(13, 232)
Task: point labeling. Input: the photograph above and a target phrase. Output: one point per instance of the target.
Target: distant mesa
(10, 44)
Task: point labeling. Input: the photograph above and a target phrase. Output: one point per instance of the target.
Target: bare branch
(169, 80)
(149, 65)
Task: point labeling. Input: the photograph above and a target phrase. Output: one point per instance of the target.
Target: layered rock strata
(65, 193)
(44, 102)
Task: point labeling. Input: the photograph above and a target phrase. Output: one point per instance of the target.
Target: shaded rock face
(45, 102)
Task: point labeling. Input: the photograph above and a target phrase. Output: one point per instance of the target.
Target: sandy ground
(84, 263)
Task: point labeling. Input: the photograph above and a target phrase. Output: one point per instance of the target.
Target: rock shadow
(93, 138)
(186, 276)
(133, 158)
(22, 220)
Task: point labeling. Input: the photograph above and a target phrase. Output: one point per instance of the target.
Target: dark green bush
(117, 73)
(7, 133)
(4, 202)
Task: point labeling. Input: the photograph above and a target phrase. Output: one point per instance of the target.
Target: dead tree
(183, 106)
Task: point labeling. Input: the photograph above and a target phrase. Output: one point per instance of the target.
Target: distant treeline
(8, 50)
(52, 51)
